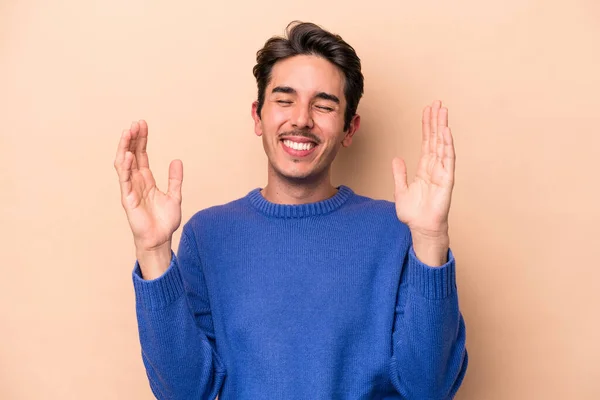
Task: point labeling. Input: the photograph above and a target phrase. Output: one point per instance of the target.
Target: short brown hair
(309, 39)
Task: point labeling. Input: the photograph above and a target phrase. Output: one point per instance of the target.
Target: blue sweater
(314, 301)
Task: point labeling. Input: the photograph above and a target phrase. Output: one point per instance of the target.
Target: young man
(300, 290)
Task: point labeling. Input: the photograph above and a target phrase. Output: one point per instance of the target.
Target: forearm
(179, 360)
(429, 352)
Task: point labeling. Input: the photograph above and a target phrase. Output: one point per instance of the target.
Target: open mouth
(298, 148)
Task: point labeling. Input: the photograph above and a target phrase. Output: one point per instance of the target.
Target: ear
(256, 118)
(354, 125)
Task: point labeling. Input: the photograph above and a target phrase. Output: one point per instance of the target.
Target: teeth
(298, 146)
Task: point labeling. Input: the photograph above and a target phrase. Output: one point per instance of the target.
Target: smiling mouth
(300, 146)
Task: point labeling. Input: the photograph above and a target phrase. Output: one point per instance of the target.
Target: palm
(425, 203)
(153, 215)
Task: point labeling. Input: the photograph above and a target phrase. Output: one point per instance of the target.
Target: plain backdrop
(522, 83)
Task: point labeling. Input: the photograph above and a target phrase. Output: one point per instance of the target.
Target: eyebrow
(327, 96)
(320, 95)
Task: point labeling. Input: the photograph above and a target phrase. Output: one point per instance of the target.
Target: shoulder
(376, 212)
(371, 207)
(218, 216)
(370, 204)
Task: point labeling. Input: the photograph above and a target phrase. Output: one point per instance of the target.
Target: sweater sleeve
(429, 357)
(175, 330)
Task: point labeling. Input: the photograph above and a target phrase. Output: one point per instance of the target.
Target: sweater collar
(299, 210)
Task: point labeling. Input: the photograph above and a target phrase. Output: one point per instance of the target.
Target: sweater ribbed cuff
(160, 292)
(432, 282)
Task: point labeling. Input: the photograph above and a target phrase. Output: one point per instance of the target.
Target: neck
(282, 190)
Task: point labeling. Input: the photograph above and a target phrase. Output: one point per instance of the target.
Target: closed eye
(284, 102)
(325, 108)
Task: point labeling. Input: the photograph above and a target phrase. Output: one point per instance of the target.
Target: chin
(297, 175)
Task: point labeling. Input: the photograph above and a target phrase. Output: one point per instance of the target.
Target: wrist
(431, 250)
(154, 262)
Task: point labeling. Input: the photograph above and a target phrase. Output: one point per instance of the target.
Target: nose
(302, 118)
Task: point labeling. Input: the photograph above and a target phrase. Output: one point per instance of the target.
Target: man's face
(302, 119)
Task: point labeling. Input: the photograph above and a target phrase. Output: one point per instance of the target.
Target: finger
(449, 159)
(175, 179)
(434, 128)
(135, 132)
(140, 149)
(125, 174)
(123, 161)
(426, 129)
(442, 118)
(442, 125)
(122, 148)
(399, 171)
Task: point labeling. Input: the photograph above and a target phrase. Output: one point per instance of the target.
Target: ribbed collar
(299, 210)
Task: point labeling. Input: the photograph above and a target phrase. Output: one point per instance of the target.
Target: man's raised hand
(153, 215)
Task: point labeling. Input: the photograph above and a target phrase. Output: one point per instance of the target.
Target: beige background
(521, 80)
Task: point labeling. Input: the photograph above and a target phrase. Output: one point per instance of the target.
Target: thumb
(399, 171)
(175, 179)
